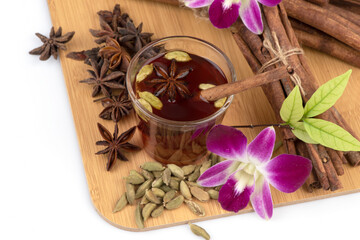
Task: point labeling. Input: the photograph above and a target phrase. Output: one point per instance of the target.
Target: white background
(43, 190)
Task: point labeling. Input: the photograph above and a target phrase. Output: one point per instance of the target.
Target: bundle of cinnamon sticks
(327, 163)
(332, 27)
(279, 29)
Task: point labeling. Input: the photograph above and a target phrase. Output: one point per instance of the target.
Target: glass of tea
(164, 82)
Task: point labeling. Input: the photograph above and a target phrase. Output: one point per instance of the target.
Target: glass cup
(178, 142)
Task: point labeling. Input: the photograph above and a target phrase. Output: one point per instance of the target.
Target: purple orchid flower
(246, 175)
(223, 13)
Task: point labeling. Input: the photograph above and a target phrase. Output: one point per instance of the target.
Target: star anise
(170, 83)
(133, 37)
(85, 55)
(116, 144)
(116, 54)
(52, 43)
(101, 80)
(115, 15)
(116, 107)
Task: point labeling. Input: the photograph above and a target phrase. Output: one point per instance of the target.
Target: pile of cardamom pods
(159, 188)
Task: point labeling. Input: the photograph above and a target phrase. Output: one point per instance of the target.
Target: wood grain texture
(248, 107)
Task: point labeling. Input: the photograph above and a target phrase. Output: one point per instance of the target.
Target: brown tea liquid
(192, 107)
(179, 145)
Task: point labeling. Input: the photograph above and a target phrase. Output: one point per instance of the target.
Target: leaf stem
(280, 125)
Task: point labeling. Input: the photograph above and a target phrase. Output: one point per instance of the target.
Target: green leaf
(326, 95)
(292, 108)
(300, 132)
(331, 135)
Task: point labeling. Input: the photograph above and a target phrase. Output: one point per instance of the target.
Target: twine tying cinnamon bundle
(281, 56)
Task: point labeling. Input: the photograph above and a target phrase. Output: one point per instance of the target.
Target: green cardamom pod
(213, 194)
(196, 208)
(135, 178)
(166, 176)
(158, 192)
(169, 196)
(157, 183)
(130, 193)
(200, 194)
(147, 175)
(188, 169)
(185, 191)
(205, 166)
(146, 211)
(174, 184)
(141, 190)
(144, 200)
(195, 175)
(152, 166)
(138, 217)
(121, 203)
(157, 211)
(165, 188)
(157, 174)
(151, 197)
(176, 170)
(199, 231)
(175, 203)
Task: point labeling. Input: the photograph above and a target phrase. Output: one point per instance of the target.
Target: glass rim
(174, 123)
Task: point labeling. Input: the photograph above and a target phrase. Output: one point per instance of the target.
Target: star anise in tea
(116, 55)
(133, 37)
(102, 80)
(116, 107)
(170, 83)
(52, 43)
(85, 55)
(115, 145)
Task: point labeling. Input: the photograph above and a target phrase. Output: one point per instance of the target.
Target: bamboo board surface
(248, 107)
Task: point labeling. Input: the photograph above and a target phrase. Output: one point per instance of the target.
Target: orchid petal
(223, 16)
(261, 198)
(261, 148)
(235, 194)
(197, 3)
(227, 142)
(269, 3)
(251, 15)
(287, 172)
(218, 174)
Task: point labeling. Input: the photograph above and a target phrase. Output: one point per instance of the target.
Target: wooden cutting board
(248, 107)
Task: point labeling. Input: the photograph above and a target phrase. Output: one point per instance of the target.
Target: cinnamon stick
(226, 90)
(350, 5)
(319, 2)
(336, 161)
(322, 42)
(345, 13)
(312, 181)
(324, 20)
(318, 166)
(342, 157)
(334, 181)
